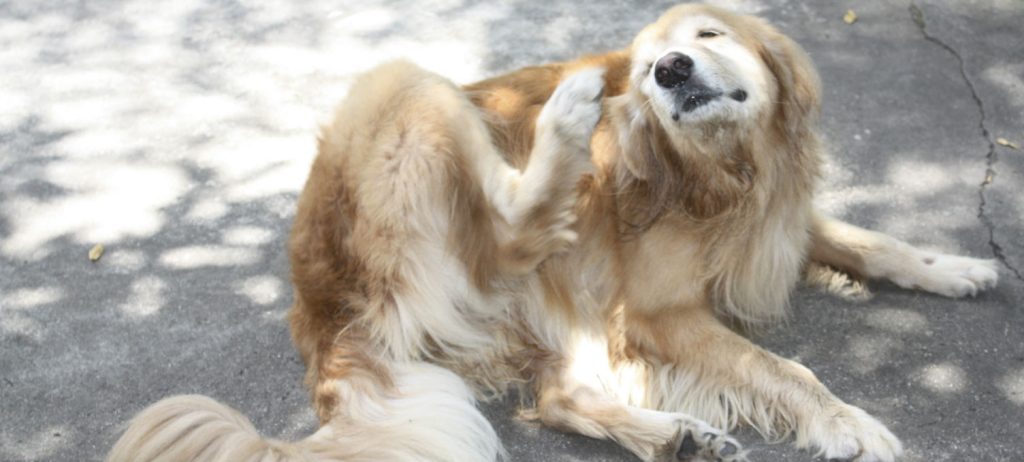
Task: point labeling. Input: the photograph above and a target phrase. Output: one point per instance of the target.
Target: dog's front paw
(847, 433)
(697, 441)
(575, 107)
(950, 275)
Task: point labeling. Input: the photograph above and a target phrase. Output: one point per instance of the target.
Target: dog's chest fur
(745, 267)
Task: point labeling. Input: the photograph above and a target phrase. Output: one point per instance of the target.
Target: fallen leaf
(96, 252)
(1007, 143)
(850, 17)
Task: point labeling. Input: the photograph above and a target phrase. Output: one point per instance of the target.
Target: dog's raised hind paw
(575, 107)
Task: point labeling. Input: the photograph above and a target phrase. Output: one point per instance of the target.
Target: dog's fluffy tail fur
(193, 427)
(430, 417)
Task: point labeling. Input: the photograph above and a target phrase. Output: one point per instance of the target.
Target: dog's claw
(688, 448)
(700, 442)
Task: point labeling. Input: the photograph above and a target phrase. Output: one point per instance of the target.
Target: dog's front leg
(566, 404)
(875, 255)
(703, 368)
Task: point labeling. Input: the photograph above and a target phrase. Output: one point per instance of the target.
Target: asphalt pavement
(178, 134)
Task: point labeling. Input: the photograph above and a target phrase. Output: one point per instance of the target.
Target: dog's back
(414, 241)
(376, 290)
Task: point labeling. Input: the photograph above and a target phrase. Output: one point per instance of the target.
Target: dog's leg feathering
(650, 435)
(740, 382)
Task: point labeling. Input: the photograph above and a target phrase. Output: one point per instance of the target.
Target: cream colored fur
(582, 232)
(431, 417)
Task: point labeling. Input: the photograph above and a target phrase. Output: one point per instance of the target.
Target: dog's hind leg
(706, 369)
(875, 255)
(537, 203)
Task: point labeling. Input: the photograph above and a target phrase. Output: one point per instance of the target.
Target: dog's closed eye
(708, 33)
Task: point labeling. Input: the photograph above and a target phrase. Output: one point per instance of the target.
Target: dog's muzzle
(674, 72)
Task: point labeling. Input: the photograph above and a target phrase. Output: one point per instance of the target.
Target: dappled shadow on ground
(178, 135)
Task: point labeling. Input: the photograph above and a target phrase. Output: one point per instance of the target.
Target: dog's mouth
(693, 95)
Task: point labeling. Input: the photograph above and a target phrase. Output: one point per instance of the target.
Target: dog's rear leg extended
(537, 202)
(715, 373)
(875, 255)
(652, 435)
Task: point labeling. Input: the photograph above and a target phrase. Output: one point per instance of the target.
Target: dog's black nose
(673, 69)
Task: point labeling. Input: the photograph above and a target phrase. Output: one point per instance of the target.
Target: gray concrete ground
(177, 134)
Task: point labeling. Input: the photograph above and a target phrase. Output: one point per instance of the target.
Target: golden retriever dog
(593, 233)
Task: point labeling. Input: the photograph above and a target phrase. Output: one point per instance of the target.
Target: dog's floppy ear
(799, 88)
(635, 138)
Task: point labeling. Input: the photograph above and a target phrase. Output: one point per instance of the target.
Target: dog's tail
(429, 416)
(193, 427)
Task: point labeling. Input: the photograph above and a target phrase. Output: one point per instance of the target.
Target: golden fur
(468, 229)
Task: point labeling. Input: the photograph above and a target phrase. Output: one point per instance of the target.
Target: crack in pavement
(990, 158)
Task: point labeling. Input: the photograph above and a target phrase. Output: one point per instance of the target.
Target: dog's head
(716, 102)
(699, 65)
